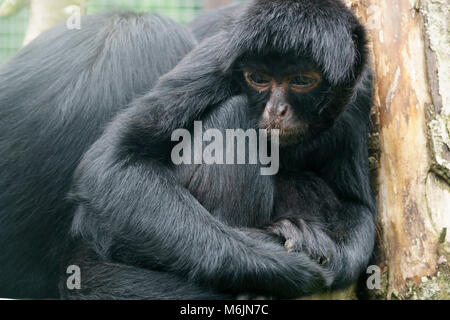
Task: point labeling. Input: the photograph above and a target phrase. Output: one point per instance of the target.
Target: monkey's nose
(277, 114)
(282, 111)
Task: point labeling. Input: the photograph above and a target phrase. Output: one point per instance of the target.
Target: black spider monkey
(145, 228)
(209, 231)
(56, 96)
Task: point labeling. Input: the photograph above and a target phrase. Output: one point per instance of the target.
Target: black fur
(56, 96)
(137, 209)
(212, 21)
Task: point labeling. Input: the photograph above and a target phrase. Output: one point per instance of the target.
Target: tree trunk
(410, 48)
(46, 13)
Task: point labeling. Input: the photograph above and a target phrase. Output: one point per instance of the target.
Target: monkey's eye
(257, 79)
(305, 82)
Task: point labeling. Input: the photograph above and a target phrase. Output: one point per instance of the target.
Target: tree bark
(410, 47)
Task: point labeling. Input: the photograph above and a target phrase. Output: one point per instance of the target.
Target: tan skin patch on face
(304, 82)
(300, 83)
(291, 128)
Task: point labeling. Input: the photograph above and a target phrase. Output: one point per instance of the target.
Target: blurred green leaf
(11, 7)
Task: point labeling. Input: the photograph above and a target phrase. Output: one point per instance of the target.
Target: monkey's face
(286, 94)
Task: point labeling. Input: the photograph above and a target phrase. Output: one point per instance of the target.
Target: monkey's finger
(292, 245)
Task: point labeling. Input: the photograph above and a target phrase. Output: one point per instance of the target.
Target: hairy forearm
(138, 211)
(343, 248)
(354, 239)
(311, 218)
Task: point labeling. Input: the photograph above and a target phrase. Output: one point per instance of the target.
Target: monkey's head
(298, 62)
(286, 94)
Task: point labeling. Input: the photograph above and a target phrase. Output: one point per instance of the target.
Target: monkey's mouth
(288, 135)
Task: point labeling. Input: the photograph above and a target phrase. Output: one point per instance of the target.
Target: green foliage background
(12, 29)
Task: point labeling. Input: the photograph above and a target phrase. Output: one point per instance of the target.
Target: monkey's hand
(299, 235)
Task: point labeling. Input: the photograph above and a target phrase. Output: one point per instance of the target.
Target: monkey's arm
(134, 210)
(337, 232)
